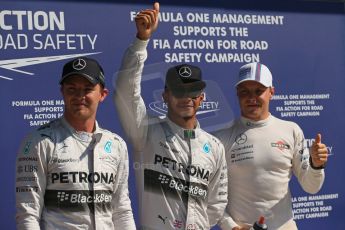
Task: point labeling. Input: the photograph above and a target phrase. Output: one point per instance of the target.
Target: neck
(184, 122)
(264, 117)
(82, 125)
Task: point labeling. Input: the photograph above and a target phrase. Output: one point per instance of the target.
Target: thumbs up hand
(319, 152)
(147, 22)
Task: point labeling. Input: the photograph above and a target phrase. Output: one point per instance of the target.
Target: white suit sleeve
(226, 222)
(31, 177)
(122, 210)
(218, 190)
(127, 93)
(310, 179)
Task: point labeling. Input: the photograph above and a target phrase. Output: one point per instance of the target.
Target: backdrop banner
(304, 51)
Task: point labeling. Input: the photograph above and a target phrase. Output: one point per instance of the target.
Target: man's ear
(202, 95)
(165, 95)
(104, 94)
(271, 92)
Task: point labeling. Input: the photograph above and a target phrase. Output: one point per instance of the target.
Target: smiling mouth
(185, 106)
(80, 105)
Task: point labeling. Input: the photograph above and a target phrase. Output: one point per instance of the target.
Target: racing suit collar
(80, 135)
(184, 133)
(250, 123)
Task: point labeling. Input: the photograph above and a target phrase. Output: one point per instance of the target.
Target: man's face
(81, 98)
(182, 107)
(254, 100)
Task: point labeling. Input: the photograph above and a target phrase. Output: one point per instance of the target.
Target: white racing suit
(72, 180)
(181, 174)
(261, 157)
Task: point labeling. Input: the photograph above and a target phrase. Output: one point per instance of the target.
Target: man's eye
(88, 89)
(259, 92)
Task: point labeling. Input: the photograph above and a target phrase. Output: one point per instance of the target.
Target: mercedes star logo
(241, 139)
(185, 71)
(79, 64)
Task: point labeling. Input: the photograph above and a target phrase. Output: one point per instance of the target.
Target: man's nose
(252, 94)
(79, 93)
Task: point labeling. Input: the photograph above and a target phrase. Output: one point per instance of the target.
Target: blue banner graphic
(304, 50)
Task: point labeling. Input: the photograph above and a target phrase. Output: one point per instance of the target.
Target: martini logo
(280, 145)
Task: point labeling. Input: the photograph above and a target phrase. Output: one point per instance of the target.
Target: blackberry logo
(62, 196)
(163, 179)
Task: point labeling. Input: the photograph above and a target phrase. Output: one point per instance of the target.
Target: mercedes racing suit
(72, 180)
(261, 158)
(181, 174)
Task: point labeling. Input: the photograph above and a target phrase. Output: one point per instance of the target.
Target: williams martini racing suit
(72, 180)
(181, 174)
(261, 158)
